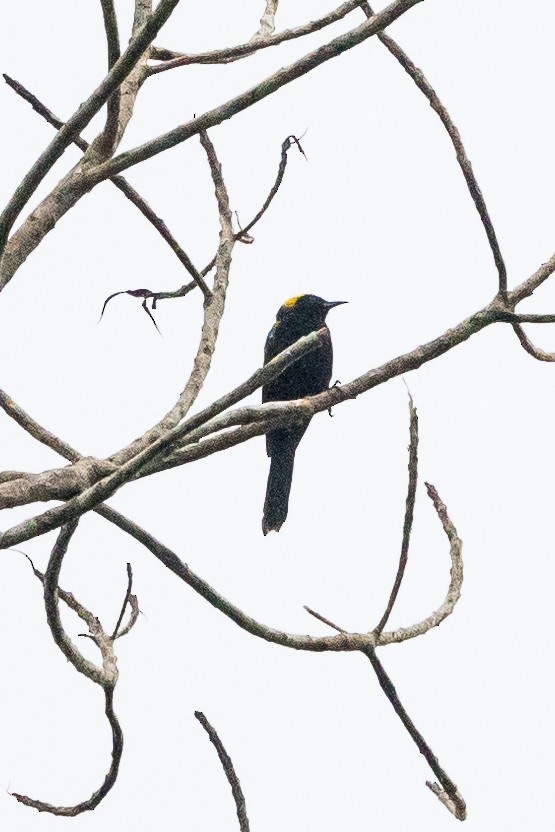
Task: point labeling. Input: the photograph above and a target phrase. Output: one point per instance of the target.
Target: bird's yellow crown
(292, 301)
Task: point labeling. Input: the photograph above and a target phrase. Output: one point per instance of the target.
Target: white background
(380, 216)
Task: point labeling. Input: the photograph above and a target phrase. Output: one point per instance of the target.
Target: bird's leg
(336, 383)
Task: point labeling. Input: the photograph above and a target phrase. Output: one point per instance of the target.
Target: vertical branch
(113, 106)
(409, 514)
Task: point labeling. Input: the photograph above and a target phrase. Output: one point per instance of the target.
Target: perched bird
(308, 376)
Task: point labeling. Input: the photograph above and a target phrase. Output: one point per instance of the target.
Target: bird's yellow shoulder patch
(292, 301)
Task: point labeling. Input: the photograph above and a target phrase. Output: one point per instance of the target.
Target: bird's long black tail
(278, 488)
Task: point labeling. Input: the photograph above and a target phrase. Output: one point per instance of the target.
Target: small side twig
(125, 601)
(323, 619)
(267, 21)
(227, 765)
(409, 514)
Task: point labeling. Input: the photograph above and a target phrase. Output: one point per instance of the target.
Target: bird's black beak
(329, 304)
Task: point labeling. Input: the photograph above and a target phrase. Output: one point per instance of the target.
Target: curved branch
(112, 37)
(109, 780)
(531, 348)
(455, 583)
(453, 799)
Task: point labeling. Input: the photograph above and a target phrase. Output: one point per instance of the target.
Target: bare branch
(109, 780)
(227, 765)
(70, 651)
(324, 620)
(246, 99)
(114, 52)
(529, 286)
(464, 162)
(234, 53)
(456, 801)
(409, 514)
(122, 68)
(134, 604)
(90, 497)
(121, 184)
(455, 583)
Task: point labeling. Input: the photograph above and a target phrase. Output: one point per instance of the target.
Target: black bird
(308, 376)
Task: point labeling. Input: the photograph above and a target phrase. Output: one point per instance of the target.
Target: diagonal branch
(227, 765)
(409, 514)
(244, 100)
(464, 162)
(171, 60)
(121, 184)
(119, 72)
(447, 792)
(455, 583)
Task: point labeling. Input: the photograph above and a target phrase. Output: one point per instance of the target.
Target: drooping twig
(464, 162)
(409, 514)
(230, 773)
(125, 601)
(172, 60)
(122, 185)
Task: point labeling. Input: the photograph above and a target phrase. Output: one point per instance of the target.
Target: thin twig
(464, 162)
(323, 619)
(409, 514)
(227, 765)
(125, 601)
(267, 21)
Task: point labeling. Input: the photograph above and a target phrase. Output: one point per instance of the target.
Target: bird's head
(308, 308)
